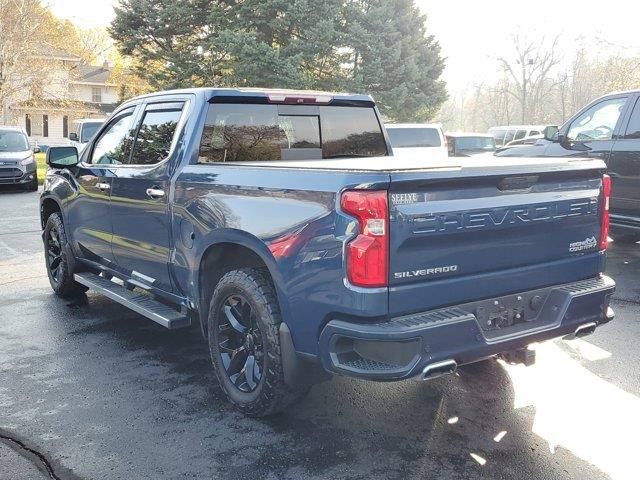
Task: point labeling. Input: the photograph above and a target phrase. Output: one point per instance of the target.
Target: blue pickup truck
(281, 224)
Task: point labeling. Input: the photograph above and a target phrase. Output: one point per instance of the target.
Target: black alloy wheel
(54, 254)
(240, 343)
(60, 266)
(243, 331)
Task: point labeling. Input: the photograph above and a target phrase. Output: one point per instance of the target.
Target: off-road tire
(61, 281)
(271, 394)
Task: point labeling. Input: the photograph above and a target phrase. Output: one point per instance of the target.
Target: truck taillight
(367, 255)
(606, 195)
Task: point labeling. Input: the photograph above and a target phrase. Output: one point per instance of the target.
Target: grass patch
(42, 166)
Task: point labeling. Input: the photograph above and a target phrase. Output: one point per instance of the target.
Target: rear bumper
(403, 347)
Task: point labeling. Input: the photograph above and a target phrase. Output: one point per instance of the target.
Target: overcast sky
(474, 33)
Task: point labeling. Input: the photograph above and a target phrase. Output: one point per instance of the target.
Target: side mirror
(73, 136)
(551, 133)
(62, 157)
(36, 150)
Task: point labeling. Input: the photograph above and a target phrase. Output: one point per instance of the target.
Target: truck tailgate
(459, 239)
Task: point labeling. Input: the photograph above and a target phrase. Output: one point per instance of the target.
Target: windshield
(13, 141)
(475, 144)
(414, 137)
(89, 130)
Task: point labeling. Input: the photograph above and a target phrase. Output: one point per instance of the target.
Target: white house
(69, 91)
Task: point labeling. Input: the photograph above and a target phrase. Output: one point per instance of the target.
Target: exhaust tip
(582, 331)
(439, 369)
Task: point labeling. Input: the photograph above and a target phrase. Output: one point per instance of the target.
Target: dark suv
(608, 128)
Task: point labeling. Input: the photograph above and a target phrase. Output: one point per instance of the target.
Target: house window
(39, 125)
(96, 95)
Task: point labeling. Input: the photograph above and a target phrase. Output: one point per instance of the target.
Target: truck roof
(212, 92)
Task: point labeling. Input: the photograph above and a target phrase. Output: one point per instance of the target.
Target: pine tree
(394, 59)
(371, 46)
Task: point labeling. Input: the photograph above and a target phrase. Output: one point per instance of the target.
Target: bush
(42, 166)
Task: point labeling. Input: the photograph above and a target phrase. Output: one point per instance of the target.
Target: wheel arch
(48, 206)
(231, 250)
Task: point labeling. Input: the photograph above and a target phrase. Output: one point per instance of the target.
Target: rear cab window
(246, 132)
(414, 137)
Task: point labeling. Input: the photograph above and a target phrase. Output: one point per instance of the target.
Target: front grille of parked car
(10, 172)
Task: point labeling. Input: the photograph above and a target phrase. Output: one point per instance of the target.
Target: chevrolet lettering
(505, 216)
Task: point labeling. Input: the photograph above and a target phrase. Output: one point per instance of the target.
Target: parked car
(278, 223)
(83, 131)
(608, 129)
(17, 164)
(524, 141)
(507, 134)
(410, 139)
(468, 144)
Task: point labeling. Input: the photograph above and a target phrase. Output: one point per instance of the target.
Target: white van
(412, 138)
(84, 129)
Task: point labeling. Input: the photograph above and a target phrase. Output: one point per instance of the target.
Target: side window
(533, 132)
(520, 134)
(633, 129)
(153, 139)
(509, 136)
(114, 144)
(598, 122)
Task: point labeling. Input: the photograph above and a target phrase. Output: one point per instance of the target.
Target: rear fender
(244, 239)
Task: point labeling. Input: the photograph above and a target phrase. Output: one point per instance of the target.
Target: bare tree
(94, 44)
(21, 42)
(529, 73)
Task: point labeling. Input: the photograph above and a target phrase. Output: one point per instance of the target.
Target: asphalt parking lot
(91, 390)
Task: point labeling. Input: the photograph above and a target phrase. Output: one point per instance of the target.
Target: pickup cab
(608, 128)
(281, 225)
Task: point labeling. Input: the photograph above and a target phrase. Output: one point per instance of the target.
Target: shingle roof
(92, 74)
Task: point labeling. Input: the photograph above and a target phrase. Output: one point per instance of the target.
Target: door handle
(103, 186)
(155, 193)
